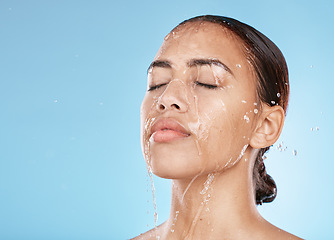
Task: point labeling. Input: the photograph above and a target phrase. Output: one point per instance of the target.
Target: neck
(218, 203)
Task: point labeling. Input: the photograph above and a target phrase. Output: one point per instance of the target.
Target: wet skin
(202, 126)
(204, 83)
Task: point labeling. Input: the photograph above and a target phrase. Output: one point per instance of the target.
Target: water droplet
(243, 101)
(312, 129)
(238, 66)
(317, 128)
(273, 102)
(256, 111)
(278, 94)
(294, 152)
(246, 118)
(255, 104)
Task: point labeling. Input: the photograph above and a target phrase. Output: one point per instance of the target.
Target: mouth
(168, 130)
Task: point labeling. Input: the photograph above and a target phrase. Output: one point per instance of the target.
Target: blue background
(72, 77)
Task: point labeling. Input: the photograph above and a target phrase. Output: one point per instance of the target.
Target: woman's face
(200, 108)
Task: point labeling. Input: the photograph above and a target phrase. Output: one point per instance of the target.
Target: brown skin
(221, 122)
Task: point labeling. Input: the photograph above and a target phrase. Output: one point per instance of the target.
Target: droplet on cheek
(256, 111)
(243, 101)
(246, 118)
(238, 66)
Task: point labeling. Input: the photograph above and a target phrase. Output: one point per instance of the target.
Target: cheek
(225, 131)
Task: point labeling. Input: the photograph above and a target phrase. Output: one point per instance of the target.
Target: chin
(175, 168)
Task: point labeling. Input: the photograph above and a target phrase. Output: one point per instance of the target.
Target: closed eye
(156, 87)
(210, 86)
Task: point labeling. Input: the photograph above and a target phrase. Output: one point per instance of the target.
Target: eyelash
(156, 87)
(209, 86)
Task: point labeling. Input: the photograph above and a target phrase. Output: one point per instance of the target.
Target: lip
(168, 130)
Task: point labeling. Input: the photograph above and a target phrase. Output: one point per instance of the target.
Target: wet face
(200, 108)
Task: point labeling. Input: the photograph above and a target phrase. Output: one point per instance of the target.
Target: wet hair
(272, 85)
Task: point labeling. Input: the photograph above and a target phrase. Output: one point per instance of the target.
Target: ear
(269, 127)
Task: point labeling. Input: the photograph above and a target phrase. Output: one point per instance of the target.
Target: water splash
(153, 195)
(294, 152)
(207, 183)
(315, 129)
(174, 221)
(246, 118)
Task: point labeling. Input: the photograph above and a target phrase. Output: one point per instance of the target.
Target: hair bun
(265, 187)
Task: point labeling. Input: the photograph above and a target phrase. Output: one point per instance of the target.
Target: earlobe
(269, 127)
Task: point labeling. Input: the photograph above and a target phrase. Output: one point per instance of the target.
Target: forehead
(204, 40)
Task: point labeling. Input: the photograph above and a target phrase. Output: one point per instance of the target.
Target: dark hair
(272, 85)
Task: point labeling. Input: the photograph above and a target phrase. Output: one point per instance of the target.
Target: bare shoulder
(149, 235)
(274, 233)
(285, 235)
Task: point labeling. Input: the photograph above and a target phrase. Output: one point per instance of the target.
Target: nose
(173, 98)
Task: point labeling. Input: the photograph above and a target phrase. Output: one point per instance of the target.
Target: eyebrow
(159, 63)
(209, 61)
(192, 63)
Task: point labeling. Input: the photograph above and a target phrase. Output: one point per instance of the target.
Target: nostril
(176, 106)
(161, 107)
